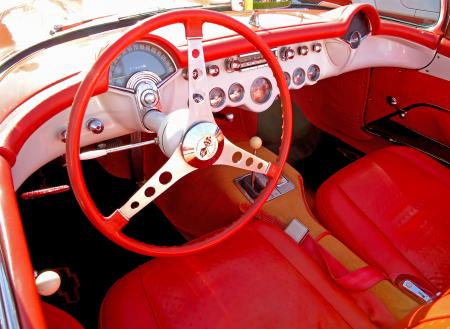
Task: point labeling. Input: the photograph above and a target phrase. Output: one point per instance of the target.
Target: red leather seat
(258, 278)
(58, 319)
(392, 207)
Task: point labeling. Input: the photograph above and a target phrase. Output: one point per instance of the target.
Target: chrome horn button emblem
(206, 148)
(202, 144)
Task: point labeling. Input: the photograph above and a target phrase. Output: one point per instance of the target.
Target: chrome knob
(317, 47)
(63, 135)
(213, 70)
(232, 64)
(303, 50)
(95, 126)
(184, 74)
(149, 98)
(286, 53)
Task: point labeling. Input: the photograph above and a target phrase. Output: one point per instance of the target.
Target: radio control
(303, 50)
(317, 47)
(251, 61)
(213, 70)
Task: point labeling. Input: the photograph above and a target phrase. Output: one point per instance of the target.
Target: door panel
(411, 87)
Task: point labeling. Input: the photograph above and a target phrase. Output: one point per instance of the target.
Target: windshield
(24, 23)
(424, 13)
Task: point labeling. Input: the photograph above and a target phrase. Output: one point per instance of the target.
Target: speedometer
(140, 56)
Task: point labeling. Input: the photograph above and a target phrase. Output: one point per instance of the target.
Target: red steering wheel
(203, 143)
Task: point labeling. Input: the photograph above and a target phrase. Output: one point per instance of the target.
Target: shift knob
(48, 283)
(255, 143)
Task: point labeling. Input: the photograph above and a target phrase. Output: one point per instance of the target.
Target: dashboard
(149, 74)
(241, 80)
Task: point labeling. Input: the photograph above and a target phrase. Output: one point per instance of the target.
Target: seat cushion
(58, 319)
(392, 207)
(258, 278)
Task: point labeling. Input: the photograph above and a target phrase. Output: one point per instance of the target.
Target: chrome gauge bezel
(267, 96)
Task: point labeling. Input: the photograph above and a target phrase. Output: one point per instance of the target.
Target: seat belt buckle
(411, 288)
(296, 230)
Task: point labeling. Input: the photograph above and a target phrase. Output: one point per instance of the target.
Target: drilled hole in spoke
(165, 177)
(195, 53)
(149, 192)
(237, 156)
(134, 205)
(260, 165)
(249, 162)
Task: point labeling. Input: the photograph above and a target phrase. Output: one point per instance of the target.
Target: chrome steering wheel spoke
(237, 157)
(199, 107)
(173, 170)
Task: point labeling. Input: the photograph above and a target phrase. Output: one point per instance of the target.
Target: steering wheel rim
(193, 20)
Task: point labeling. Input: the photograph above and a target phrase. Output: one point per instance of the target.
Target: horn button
(202, 144)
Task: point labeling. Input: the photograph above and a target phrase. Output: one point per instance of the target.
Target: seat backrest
(435, 315)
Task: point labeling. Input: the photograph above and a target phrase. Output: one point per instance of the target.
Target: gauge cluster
(243, 80)
(247, 81)
(141, 56)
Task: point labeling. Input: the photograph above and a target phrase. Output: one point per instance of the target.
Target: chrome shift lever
(255, 144)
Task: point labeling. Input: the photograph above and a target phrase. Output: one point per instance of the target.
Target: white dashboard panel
(439, 67)
(120, 117)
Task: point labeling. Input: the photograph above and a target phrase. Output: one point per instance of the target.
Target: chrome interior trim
(8, 313)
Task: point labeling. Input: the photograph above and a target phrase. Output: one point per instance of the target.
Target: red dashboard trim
(444, 47)
(429, 39)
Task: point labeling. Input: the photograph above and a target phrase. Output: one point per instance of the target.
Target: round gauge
(236, 92)
(261, 90)
(298, 77)
(313, 73)
(140, 56)
(216, 97)
(287, 76)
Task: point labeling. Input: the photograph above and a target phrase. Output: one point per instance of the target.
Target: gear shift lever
(252, 184)
(255, 144)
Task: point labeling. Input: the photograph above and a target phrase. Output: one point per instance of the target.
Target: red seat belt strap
(358, 280)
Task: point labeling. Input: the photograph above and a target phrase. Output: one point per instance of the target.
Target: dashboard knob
(95, 126)
(63, 135)
(149, 98)
(213, 70)
(286, 53)
(317, 47)
(232, 64)
(303, 50)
